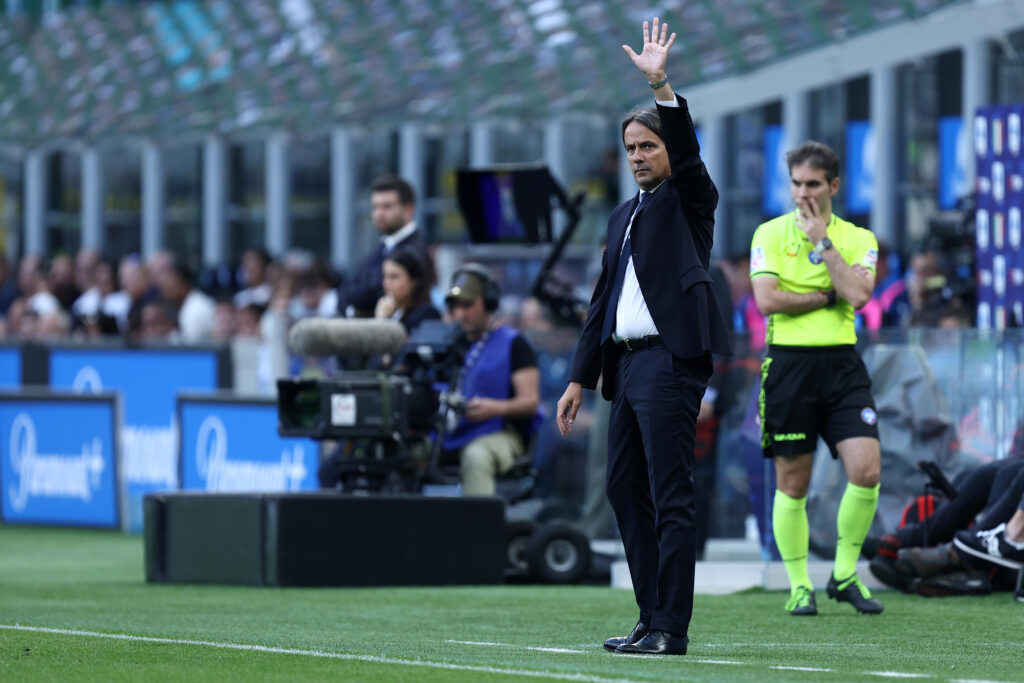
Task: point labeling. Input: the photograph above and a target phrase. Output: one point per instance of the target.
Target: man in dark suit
(651, 328)
(393, 204)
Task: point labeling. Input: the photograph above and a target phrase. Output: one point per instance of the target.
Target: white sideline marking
(318, 653)
(434, 665)
(563, 650)
(518, 647)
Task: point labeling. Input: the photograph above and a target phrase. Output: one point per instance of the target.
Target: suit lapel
(617, 225)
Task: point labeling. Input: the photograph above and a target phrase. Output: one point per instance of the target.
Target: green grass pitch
(74, 607)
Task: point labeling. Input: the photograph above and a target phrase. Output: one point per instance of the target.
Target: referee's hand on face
(568, 406)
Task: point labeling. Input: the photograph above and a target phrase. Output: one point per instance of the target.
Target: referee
(810, 270)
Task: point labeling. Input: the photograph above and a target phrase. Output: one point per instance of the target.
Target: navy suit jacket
(671, 242)
(363, 287)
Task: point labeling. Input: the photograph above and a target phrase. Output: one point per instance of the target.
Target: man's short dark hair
(818, 155)
(647, 116)
(392, 183)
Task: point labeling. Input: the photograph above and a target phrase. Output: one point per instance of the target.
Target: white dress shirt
(632, 317)
(391, 241)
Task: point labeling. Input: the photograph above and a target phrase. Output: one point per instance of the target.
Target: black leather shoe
(656, 643)
(638, 632)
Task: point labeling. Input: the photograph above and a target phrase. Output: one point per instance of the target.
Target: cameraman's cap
(466, 288)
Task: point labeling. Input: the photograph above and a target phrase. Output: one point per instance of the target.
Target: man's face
(388, 213)
(648, 158)
(472, 317)
(808, 182)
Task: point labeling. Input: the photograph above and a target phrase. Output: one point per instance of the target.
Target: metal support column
(343, 198)
(36, 190)
(277, 235)
(93, 227)
(154, 197)
(884, 207)
(481, 144)
(412, 164)
(215, 194)
(976, 92)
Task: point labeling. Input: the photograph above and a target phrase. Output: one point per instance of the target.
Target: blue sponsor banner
(775, 195)
(149, 381)
(860, 167)
(952, 162)
(10, 366)
(58, 460)
(233, 446)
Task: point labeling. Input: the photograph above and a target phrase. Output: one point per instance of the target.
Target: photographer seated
(499, 379)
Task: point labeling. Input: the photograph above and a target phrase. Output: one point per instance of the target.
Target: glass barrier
(952, 396)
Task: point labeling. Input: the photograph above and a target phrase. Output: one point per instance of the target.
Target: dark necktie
(620, 275)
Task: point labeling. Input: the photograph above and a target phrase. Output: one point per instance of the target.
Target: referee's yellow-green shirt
(781, 249)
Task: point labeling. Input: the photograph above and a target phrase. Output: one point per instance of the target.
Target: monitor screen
(511, 205)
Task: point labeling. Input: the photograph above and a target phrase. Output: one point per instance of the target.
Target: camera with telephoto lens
(392, 406)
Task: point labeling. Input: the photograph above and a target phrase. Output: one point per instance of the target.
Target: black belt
(639, 343)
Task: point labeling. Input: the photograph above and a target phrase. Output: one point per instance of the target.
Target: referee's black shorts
(811, 391)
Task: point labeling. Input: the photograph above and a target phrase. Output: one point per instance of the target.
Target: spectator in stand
(888, 303)
(85, 270)
(224, 321)
(195, 309)
(316, 294)
(255, 264)
(103, 297)
(35, 287)
(746, 318)
(15, 318)
(8, 284)
(158, 322)
(62, 281)
(138, 289)
(247, 321)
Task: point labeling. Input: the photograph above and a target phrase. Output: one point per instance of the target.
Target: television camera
(396, 418)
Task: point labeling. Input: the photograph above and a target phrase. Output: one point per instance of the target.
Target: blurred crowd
(158, 299)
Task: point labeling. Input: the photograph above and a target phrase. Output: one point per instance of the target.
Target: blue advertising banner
(149, 381)
(10, 367)
(775, 195)
(952, 162)
(233, 446)
(860, 167)
(58, 460)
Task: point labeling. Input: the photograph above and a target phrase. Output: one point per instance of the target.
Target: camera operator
(499, 379)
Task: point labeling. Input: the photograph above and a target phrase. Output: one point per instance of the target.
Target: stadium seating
(180, 66)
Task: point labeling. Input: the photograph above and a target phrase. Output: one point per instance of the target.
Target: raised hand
(657, 41)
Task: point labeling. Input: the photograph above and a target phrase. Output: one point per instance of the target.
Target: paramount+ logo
(73, 476)
(223, 474)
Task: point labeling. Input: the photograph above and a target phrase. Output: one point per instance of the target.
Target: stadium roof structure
(182, 67)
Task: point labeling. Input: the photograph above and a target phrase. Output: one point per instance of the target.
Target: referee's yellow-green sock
(856, 510)
(789, 524)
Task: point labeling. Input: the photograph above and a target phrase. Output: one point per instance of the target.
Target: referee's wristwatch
(823, 245)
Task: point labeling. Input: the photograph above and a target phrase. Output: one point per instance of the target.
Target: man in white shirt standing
(393, 205)
(651, 328)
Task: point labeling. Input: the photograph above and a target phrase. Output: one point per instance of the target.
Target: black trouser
(651, 435)
(995, 487)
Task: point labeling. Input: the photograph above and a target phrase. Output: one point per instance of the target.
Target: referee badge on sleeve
(815, 257)
(869, 416)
